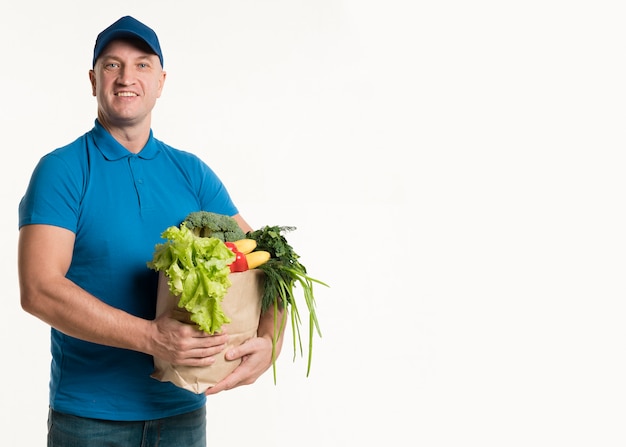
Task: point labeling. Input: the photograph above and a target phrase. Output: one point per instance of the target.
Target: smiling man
(127, 79)
(89, 221)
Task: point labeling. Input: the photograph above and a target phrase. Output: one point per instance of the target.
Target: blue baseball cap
(124, 28)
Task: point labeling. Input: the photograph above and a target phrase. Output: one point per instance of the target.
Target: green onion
(283, 273)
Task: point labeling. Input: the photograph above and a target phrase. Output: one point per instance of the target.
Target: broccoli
(220, 226)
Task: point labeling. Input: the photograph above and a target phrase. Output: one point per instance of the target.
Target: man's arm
(44, 257)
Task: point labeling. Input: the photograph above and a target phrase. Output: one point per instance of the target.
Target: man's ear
(162, 82)
(92, 79)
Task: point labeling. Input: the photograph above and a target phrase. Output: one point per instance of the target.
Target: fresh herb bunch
(283, 272)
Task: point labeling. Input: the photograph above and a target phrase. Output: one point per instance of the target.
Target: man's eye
(112, 65)
(143, 65)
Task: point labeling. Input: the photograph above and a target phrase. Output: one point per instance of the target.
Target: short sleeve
(53, 194)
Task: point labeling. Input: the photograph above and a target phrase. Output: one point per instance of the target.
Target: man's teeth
(126, 94)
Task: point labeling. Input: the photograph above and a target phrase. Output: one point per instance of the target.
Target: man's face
(126, 82)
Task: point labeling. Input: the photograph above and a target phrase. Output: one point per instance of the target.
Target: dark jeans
(188, 430)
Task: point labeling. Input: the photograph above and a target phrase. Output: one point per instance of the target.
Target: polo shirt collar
(112, 150)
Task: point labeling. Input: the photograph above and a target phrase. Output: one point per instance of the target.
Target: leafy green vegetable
(207, 224)
(197, 269)
(284, 272)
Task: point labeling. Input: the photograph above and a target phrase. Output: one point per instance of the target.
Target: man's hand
(256, 358)
(178, 341)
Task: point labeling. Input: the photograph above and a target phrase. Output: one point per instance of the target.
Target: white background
(455, 171)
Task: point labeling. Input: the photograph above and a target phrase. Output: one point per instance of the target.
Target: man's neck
(132, 137)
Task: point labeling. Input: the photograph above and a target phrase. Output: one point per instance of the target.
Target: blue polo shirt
(117, 203)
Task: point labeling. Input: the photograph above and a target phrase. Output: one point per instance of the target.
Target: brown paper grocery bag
(242, 305)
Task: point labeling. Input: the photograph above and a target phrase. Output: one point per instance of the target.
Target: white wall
(456, 173)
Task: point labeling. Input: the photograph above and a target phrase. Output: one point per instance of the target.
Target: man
(89, 221)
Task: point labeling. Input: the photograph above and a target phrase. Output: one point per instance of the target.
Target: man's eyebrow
(111, 56)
